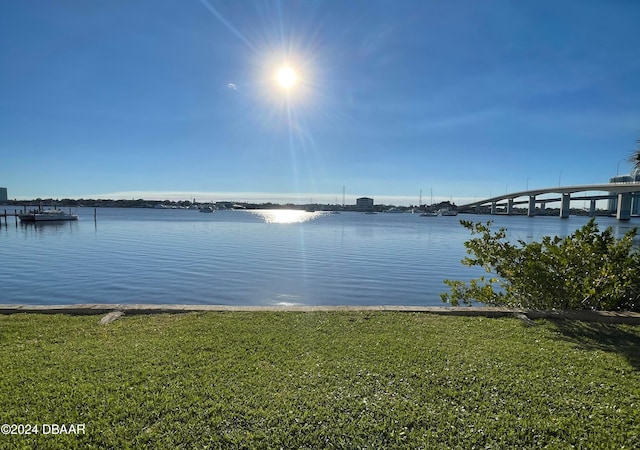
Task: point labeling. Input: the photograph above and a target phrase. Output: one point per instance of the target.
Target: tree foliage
(587, 270)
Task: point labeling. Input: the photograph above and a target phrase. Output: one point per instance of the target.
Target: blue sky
(178, 98)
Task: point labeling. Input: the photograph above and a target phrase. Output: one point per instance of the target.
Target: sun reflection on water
(286, 215)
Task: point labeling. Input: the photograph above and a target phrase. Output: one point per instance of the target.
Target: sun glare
(286, 215)
(287, 77)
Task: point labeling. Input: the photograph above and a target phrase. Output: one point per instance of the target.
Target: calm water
(247, 257)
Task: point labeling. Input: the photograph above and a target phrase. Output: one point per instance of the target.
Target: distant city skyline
(288, 101)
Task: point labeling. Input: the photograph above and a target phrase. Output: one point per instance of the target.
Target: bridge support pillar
(564, 206)
(592, 208)
(477, 209)
(494, 208)
(543, 206)
(510, 207)
(532, 206)
(624, 206)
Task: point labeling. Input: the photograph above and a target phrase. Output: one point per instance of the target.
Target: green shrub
(587, 270)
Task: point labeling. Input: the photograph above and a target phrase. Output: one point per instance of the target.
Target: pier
(6, 215)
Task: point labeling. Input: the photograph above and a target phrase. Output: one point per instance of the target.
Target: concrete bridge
(623, 192)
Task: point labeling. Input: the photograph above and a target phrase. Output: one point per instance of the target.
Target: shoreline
(485, 311)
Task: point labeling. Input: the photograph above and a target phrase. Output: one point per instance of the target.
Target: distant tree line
(141, 203)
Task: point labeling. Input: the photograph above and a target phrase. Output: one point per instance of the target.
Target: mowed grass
(320, 380)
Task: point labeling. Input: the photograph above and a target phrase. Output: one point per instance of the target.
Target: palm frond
(634, 157)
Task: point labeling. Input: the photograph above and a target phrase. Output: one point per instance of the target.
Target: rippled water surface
(246, 257)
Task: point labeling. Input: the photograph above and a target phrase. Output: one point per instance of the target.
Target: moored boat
(49, 215)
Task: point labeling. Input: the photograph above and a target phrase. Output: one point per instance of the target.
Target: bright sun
(287, 77)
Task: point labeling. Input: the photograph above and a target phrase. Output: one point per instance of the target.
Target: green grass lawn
(319, 380)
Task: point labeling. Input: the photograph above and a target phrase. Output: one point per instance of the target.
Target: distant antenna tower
(343, 196)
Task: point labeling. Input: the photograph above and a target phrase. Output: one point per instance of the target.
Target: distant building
(635, 200)
(364, 203)
(3, 194)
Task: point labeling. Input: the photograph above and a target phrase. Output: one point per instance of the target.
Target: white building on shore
(364, 203)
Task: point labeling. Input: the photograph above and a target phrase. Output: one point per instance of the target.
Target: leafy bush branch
(587, 270)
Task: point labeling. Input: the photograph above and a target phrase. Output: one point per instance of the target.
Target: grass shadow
(621, 339)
